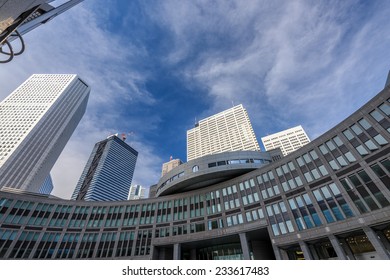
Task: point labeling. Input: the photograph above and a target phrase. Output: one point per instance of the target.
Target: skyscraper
(47, 186)
(108, 173)
(136, 192)
(36, 122)
(230, 130)
(168, 166)
(287, 140)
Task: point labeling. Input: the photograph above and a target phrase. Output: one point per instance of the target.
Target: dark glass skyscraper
(108, 173)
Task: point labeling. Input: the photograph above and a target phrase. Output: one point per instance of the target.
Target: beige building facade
(288, 140)
(168, 166)
(229, 130)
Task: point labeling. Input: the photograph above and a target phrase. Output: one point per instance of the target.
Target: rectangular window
(348, 134)
(376, 115)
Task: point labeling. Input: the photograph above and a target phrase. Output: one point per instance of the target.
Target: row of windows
(238, 161)
(367, 197)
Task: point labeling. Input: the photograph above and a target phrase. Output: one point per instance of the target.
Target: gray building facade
(328, 200)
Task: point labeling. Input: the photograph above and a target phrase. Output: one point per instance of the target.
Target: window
(330, 145)
(361, 150)
(356, 129)
(376, 115)
(195, 168)
(364, 124)
(371, 145)
(385, 109)
(323, 149)
(348, 134)
(350, 157)
(337, 141)
(380, 140)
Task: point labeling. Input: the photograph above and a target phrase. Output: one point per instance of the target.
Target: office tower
(152, 191)
(47, 186)
(230, 130)
(108, 173)
(287, 140)
(17, 17)
(136, 192)
(168, 166)
(36, 122)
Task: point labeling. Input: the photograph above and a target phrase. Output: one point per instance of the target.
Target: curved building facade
(328, 200)
(211, 169)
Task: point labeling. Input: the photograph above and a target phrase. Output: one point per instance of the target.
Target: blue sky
(156, 66)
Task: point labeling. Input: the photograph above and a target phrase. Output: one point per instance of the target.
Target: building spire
(388, 80)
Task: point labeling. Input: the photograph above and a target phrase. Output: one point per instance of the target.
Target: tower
(168, 166)
(36, 122)
(229, 130)
(108, 173)
(287, 140)
(47, 186)
(136, 192)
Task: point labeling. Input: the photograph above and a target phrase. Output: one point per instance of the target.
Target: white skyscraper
(36, 122)
(136, 192)
(287, 140)
(230, 130)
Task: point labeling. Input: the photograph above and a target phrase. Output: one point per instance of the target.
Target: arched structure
(328, 200)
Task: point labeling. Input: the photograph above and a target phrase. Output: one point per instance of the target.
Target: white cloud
(296, 61)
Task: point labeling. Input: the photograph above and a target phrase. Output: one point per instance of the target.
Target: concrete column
(337, 247)
(384, 240)
(277, 252)
(244, 246)
(306, 251)
(193, 254)
(313, 252)
(177, 251)
(154, 252)
(376, 242)
(134, 244)
(347, 250)
(283, 254)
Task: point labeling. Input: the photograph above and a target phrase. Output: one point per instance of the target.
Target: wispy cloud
(299, 61)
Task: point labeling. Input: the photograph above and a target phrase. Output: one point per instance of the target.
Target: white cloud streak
(305, 61)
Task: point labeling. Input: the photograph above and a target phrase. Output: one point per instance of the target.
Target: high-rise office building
(168, 166)
(47, 186)
(136, 192)
(230, 130)
(108, 173)
(36, 122)
(287, 140)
